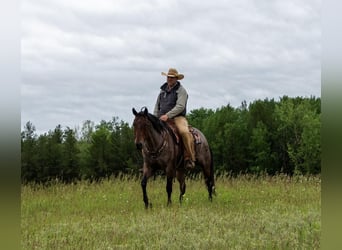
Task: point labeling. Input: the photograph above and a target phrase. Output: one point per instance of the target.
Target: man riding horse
(171, 104)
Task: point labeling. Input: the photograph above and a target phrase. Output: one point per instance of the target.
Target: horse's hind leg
(182, 185)
(209, 181)
(210, 188)
(169, 189)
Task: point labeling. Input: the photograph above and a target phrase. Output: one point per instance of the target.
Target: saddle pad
(197, 137)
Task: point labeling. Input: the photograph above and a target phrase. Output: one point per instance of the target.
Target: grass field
(248, 213)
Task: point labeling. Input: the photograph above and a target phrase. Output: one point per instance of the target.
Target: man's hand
(164, 118)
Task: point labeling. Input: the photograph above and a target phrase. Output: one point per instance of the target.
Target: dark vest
(168, 99)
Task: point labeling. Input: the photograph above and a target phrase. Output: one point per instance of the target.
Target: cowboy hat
(173, 73)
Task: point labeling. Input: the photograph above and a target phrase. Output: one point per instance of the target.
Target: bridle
(155, 154)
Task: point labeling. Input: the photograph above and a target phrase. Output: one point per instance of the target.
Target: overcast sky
(96, 59)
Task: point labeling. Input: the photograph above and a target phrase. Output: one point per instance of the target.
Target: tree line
(266, 136)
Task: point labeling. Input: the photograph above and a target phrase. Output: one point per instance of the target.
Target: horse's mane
(156, 123)
(160, 125)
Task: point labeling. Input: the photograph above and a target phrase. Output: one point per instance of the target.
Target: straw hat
(173, 73)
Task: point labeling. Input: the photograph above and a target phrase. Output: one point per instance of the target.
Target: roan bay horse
(161, 151)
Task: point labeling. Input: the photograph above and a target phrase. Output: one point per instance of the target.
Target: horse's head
(143, 124)
(140, 125)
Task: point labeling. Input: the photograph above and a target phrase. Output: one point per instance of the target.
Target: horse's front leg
(169, 189)
(146, 175)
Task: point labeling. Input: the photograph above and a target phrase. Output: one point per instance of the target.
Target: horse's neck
(155, 139)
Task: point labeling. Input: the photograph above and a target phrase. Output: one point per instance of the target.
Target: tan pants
(183, 129)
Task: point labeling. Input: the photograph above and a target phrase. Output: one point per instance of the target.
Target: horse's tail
(212, 174)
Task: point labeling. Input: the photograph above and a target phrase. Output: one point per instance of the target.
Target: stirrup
(189, 164)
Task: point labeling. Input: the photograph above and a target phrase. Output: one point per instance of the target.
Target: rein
(155, 154)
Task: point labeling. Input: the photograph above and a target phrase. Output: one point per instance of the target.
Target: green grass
(247, 213)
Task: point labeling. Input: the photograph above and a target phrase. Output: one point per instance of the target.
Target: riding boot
(188, 141)
(188, 162)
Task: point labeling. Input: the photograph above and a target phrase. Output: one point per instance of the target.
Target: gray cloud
(98, 59)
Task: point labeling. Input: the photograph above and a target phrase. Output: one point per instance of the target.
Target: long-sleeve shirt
(171, 102)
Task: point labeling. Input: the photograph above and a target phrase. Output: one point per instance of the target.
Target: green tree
(263, 148)
(87, 129)
(44, 162)
(99, 151)
(55, 152)
(84, 144)
(28, 153)
(130, 156)
(223, 130)
(298, 135)
(260, 149)
(311, 144)
(70, 162)
(305, 152)
(213, 128)
(236, 140)
(197, 117)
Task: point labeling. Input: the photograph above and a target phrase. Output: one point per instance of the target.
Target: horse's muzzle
(139, 145)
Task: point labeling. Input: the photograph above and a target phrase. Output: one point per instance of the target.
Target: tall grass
(248, 213)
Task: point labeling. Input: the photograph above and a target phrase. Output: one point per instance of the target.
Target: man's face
(171, 81)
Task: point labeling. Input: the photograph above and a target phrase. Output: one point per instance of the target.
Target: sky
(97, 59)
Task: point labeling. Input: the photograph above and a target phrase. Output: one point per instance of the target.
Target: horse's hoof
(214, 191)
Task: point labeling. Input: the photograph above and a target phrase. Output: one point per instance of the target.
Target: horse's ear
(146, 111)
(134, 111)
